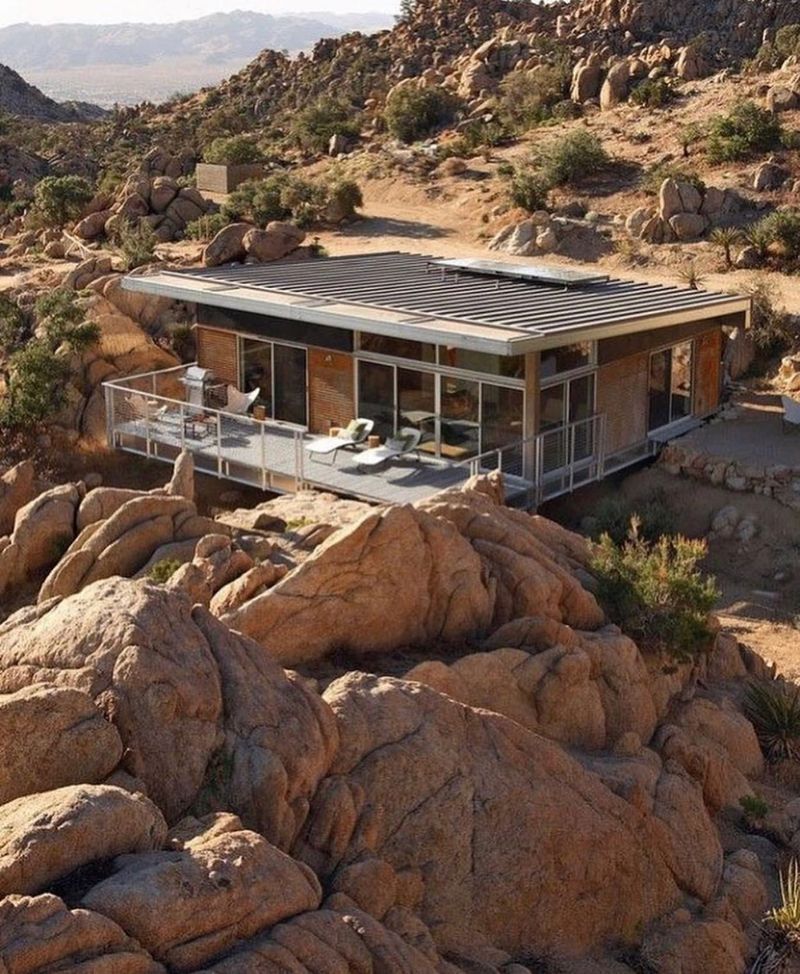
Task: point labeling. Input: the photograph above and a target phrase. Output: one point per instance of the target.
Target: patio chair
(352, 436)
(791, 414)
(144, 409)
(240, 403)
(406, 442)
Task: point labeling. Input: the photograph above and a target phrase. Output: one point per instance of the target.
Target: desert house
(557, 376)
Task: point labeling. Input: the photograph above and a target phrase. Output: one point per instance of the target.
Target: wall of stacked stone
(780, 482)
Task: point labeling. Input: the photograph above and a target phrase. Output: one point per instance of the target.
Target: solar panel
(539, 273)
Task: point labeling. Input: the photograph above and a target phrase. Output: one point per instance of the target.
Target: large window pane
(508, 366)
(581, 407)
(567, 358)
(460, 421)
(416, 404)
(376, 396)
(659, 394)
(552, 417)
(398, 347)
(257, 370)
(290, 384)
(681, 382)
(501, 424)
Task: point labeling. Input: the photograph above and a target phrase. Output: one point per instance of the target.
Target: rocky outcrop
(17, 488)
(243, 241)
(684, 212)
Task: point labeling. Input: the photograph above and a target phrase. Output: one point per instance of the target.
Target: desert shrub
(12, 324)
(657, 593)
(163, 570)
(258, 200)
(206, 227)
(36, 381)
(137, 243)
(654, 176)
(412, 113)
(613, 514)
(477, 136)
(528, 190)
(652, 93)
(770, 324)
(344, 197)
(726, 239)
(754, 807)
(283, 196)
(777, 233)
(232, 150)
(314, 126)
(774, 711)
(772, 54)
(571, 158)
(528, 98)
(57, 200)
(747, 130)
(62, 318)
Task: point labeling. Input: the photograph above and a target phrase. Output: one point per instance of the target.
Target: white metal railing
(141, 418)
(150, 414)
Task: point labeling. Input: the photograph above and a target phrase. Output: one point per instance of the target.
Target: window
(670, 388)
(257, 370)
(560, 406)
(507, 366)
(461, 418)
(567, 358)
(279, 373)
(397, 347)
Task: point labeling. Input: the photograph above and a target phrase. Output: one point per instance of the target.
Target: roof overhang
(395, 324)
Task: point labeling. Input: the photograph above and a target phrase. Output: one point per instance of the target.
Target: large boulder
(500, 826)
(39, 935)
(227, 246)
(45, 837)
(587, 79)
(53, 736)
(188, 906)
(17, 488)
(398, 577)
(277, 241)
(615, 87)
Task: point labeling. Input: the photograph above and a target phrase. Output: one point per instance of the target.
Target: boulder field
(471, 770)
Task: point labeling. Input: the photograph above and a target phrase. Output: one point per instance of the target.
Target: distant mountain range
(127, 63)
(17, 97)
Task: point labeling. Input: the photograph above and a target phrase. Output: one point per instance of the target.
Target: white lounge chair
(355, 433)
(241, 402)
(405, 443)
(791, 413)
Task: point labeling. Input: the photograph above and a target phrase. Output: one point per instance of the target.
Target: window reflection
(567, 358)
(460, 423)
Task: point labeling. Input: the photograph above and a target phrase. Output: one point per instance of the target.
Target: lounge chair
(405, 443)
(240, 403)
(354, 434)
(791, 413)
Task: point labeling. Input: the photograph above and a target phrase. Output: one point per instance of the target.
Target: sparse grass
(163, 570)
(781, 927)
(754, 807)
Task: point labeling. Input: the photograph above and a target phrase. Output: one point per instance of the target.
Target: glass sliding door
(560, 407)
(461, 418)
(257, 370)
(289, 369)
(502, 423)
(670, 388)
(416, 404)
(552, 416)
(376, 396)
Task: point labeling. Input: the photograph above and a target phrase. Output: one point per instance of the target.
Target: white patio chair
(406, 442)
(353, 435)
(791, 414)
(240, 403)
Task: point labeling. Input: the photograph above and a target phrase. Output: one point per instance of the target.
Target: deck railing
(150, 414)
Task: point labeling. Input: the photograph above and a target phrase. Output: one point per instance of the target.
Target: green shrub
(314, 126)
(774, 711)
(63, 320)
(58, 200)
(163, 570)
(571, 158)
(137, 242)
(771, 55)
(344, 198)
(747, 130)
(653, 177)
(36, 383)
(657, 593)
(613, 515)
(754, 807)
(206, 227)
(778, 233)
(528, 190)
(12, 324)
(413, 113)
(232, 150)
(258, 200)
(770, 324)
(528, 98)
(283, 196)
(652, 93)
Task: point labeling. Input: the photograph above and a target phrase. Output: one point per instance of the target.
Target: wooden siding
(614, 349)
(622, 395)
(331, 391)
(218, 351)
(708, 356)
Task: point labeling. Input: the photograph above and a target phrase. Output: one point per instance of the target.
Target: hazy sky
(103, 12)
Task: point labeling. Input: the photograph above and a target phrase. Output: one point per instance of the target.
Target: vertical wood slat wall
(218, 351)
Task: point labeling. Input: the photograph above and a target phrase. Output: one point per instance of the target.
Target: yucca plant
(726, 239)
(781, 928)
(691, 276)
(774, 710)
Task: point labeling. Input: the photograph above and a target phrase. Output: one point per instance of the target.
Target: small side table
(373, 441)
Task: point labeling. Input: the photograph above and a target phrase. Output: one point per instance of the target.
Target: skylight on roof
(538, 273)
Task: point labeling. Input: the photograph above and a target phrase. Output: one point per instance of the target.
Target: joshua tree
(726, 238)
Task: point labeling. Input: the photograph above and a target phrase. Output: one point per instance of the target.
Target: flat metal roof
(413, 296)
